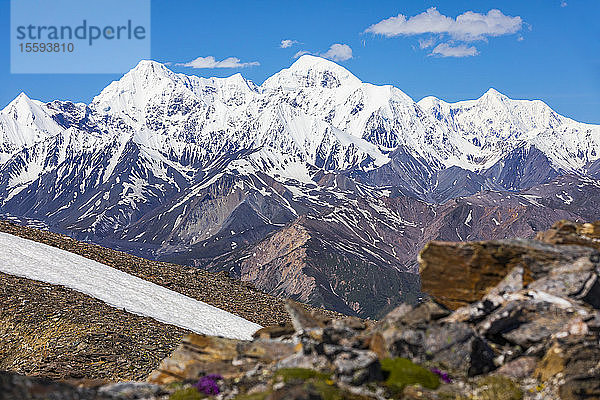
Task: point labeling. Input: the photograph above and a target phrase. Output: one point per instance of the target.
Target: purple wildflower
(443, 375)
(208, 384)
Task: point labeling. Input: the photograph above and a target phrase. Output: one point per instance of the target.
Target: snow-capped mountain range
(202, 171)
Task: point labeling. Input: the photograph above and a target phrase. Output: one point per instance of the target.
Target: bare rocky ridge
(311, 262)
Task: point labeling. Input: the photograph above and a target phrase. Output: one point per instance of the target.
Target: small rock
(578, 328)
(352, 323)
(130, 390)
(357, 367)
(200, 354)
(455, 345)
(415, 392)
(376, 343)
(282, 330)
(571, 233)
(518, 368)
(552, 363)
(316, 362)
(302, 320)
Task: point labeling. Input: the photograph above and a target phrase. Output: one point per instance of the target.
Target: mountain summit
(313, 185)
(312, 71)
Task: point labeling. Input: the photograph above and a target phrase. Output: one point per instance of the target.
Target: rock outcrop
(518, 319)
(457, 274)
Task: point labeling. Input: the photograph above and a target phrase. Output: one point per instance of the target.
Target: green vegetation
(255, 396)
(190, 393)
(499, 388)
(401, 372)
(300, 374)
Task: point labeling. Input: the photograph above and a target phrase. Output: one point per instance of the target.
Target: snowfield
(37, 261)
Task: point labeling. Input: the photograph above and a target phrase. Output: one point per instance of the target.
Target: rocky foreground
(506, 319)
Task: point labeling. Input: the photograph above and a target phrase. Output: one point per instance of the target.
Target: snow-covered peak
(237, 80)
(311, 71)
(307, 62)
(24, 122)
(150, 69)
(130, 96)
(493, 95)
(234, 82)
(438, 108)
(429, 101)
(309, 112)
(494, 125)
(147, 76)
(151, 86)
(20, 104)
(490, 99)
(494, 112)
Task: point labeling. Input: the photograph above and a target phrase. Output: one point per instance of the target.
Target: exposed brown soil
(56, 332)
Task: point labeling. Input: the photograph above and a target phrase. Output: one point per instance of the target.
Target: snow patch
(37, 261)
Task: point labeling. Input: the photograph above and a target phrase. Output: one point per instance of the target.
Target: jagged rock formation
(526, 324)
(471, 269)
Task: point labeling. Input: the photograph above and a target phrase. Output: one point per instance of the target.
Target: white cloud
(563, 3)
(338, 52)
(469, 26)
(287, 43)
(426, 43)
(210, 62)
(447, 50)
(301, 53)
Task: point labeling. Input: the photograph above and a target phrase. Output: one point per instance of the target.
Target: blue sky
(533, 49)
